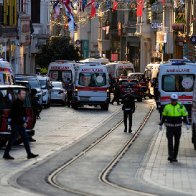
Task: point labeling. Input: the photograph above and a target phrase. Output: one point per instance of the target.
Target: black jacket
(128, 103)
(17, 114)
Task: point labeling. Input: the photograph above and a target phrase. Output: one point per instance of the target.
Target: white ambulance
(6, 73)
(176, 76)
(91, 86)
(61, 70)
(120, 69)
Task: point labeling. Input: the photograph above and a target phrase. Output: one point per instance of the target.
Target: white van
(101, 61)
(176, 76)
(151, 75)
(120, 69)
(91, 86)
(61, 70)
(6, 73)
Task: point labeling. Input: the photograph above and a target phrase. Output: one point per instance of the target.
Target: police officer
(172, 117)
(128, 109)
(18, 125)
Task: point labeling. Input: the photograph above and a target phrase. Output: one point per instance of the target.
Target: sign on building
(85, 48)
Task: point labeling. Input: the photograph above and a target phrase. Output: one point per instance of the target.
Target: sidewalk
(179, 176)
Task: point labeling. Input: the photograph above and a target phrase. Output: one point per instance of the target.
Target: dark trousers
(116, 98)
(173, 135)
(18, 129)
(128, 114)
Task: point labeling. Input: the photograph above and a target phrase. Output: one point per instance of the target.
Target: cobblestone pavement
(59, 127)
(179, 176)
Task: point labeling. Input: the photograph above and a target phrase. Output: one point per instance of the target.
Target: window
(92, 79)
(178, 83)
(7, 96)
(35, 11)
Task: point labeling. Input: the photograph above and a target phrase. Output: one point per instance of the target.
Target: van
(6, 73)
(151, 75)
(194, 117)
(91, 86)
(8, 93)
(176, 76)
(61, 70)
(120, 69)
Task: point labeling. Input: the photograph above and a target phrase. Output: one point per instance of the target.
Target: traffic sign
(193, 39)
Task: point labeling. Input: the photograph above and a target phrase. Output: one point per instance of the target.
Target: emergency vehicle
(101, 61)
(61, 70)
(91, 86)
(6, 73)
(176, 76)
(151, 74)
(120, 70)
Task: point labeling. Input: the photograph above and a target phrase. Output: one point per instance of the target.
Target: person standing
(128, 109)
(116, 93)
(69, 91)
(172, 117)
(18, 123)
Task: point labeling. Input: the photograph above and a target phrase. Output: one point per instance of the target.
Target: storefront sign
(193, 39)
(178, 26)
(156, 25)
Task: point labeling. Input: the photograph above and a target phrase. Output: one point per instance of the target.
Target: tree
(57, 48)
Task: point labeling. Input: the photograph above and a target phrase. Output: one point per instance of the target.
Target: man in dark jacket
(18, 123)
(116, 93)
(128, 108)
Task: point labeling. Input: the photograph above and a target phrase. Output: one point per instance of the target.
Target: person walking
(69, 91)
(128, 109)
(172, 117)
(116, 93)
(18, 123)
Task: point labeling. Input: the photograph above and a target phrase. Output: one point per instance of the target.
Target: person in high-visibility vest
(172, 118)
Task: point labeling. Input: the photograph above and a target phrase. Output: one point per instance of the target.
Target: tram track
(103, 176)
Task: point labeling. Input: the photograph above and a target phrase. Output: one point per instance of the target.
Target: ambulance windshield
(178, 83)
(92, 79)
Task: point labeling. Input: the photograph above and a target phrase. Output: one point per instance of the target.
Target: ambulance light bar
(178, 61)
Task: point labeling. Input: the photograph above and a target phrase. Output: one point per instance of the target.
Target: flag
(163, 2)
(115, 6)
(140, 5)
(93, 9)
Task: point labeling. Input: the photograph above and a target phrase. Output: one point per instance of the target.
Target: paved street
(144, 169)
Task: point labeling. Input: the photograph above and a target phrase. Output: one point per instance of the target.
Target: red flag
(93, 9)
(140, 5)
(163, 2)
(115, 5)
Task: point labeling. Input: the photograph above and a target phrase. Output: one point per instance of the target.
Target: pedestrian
(69, 91)
(172, 117)
(17, 122)
(116, 93)
(128, 110)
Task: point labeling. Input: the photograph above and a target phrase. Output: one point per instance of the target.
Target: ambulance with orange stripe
(91, 86)
(176, 76)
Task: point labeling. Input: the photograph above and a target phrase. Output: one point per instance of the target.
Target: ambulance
(6, 73)
(151, 75)
(91, 86)
(120, 69)
(101, 61)
(61, 70)
(176, 76)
